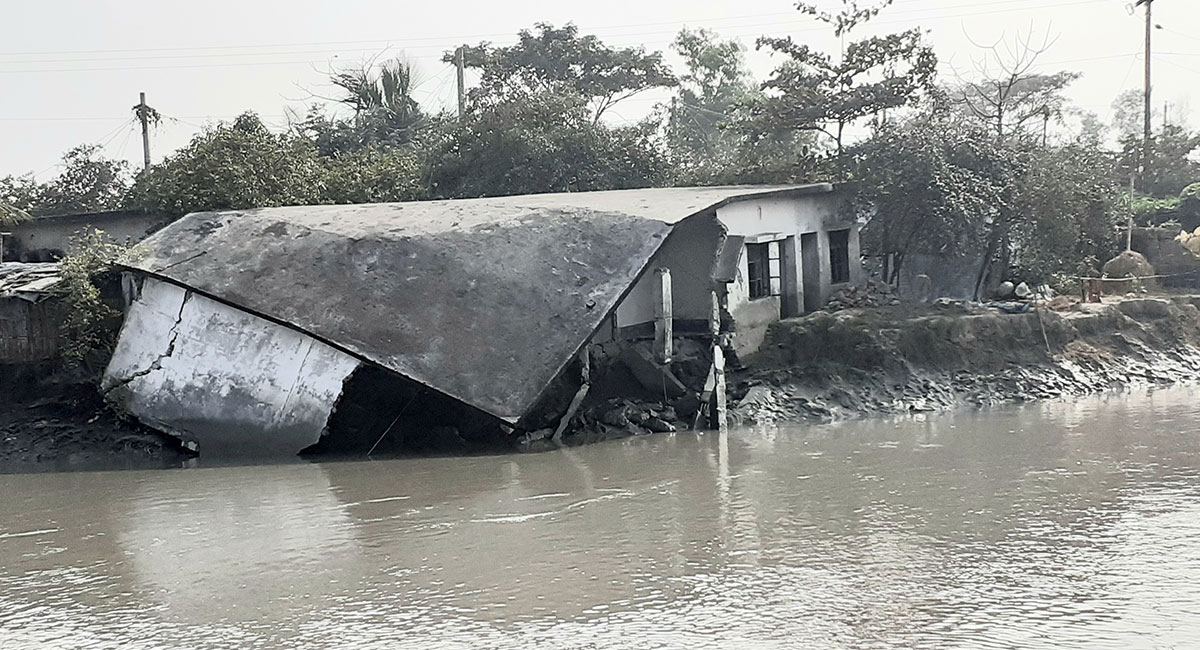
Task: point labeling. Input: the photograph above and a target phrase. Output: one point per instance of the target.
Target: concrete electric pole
(143, 113)
(1146, 125)
(462, 88)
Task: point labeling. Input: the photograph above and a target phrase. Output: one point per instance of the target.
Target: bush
(89, 326)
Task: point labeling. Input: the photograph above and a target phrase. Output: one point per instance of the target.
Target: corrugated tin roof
(484, 300)
(31, 281)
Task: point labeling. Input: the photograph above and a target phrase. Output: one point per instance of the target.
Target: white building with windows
(278, 329)
(781, 253)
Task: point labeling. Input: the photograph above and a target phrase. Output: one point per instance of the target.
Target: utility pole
(462, 88)
(143, 113)
(1146, 126)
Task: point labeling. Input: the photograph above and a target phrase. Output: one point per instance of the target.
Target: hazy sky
(70, 70)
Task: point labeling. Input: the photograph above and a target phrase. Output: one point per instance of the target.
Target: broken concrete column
(663, 333)
(720, 406)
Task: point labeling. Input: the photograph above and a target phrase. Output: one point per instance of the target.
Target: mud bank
(50, 427)
(905, 359)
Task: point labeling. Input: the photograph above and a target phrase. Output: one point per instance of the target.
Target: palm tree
(384, 96)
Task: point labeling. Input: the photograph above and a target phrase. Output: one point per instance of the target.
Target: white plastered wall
(226, 379)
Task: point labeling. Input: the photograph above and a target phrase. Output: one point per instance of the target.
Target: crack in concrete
(157, 363)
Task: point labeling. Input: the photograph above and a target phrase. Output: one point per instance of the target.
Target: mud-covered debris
(871, 294)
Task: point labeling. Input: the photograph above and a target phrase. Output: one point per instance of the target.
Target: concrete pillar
(856, 269)
(663, 333)
(719, 414)
(792, 278)
(714, 316)
(826, 273)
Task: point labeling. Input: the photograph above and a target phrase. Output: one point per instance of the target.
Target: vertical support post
(663, 333)
(143, 112)
(585, 377)
(714, 316)
(462, 88)
(792, 277)
(719, 418)
(1129, 219)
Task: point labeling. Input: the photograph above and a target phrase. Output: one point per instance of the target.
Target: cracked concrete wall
(690, 252)
(223, 378)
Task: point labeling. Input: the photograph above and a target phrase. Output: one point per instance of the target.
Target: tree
(544, 143)
(1007, 95)
(810, 91)
(385, 112)
(934, 185)
(559, 60)
(231, 166)
(373, 175)
(87, 182)
(942, 184)
(18, 195)
(1128, 116)
(848, 18)
(716, 81)
(1068, 208)
(1173, 163)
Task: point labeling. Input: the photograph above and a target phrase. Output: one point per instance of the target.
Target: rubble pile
(611, 419)
(871, 294)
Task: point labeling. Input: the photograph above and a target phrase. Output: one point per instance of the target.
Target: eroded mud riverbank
(858, 363)
(69, 427)
(824, 367)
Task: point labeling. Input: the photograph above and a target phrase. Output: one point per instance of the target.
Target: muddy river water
(1058, 525)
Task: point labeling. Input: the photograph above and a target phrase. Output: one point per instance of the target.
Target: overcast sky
(70, 70)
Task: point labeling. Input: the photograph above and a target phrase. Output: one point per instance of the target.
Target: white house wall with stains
(804, 236)
(202, 370)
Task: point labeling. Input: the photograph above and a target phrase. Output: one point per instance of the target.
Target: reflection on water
(1064, 525)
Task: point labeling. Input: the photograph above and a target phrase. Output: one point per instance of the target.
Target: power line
(940, 15)
(459, 38)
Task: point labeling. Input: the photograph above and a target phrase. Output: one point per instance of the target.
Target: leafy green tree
(1017, 102)
(938, 183)
(18, 195)
(848, 18)
(90, 326)
(1173, 164)
(86, 182)
(385, 112)
(559, 60)
(546, 142)
(933, 185)
(231, 166)
(373, 175)
(814, 92)
(1068, 208)
(702, 146)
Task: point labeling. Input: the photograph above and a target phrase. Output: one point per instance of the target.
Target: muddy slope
(856, 363)
(49, 426)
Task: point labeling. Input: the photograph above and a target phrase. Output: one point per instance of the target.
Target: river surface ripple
(1072, 524)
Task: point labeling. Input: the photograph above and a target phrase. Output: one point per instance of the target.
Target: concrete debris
(611, 419)
(872, 294)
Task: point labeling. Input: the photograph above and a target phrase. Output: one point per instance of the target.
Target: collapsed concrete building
(283, 329)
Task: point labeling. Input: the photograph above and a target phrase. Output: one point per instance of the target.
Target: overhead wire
(449, 41)
(460, 38)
